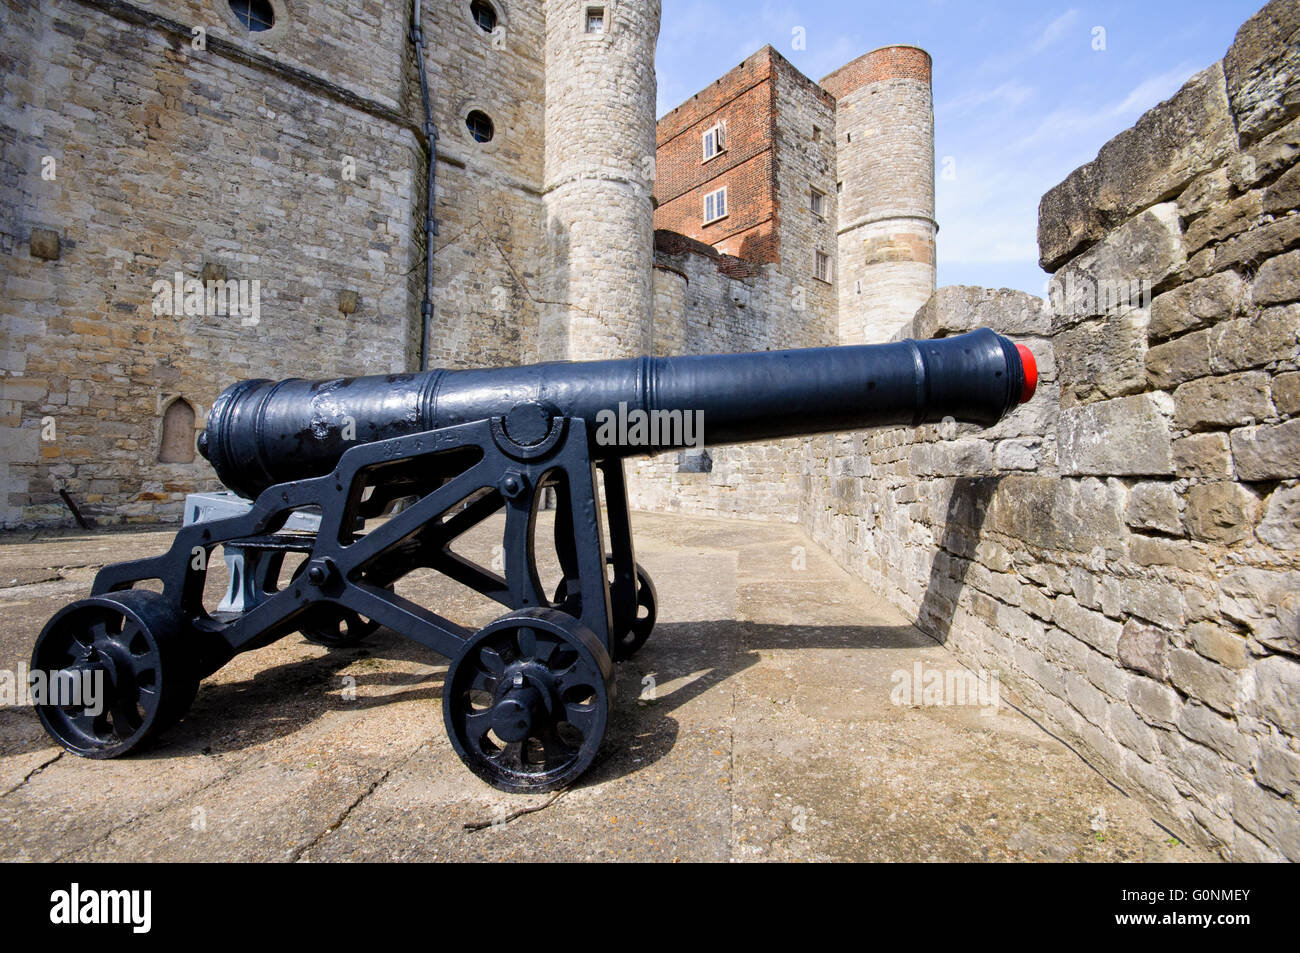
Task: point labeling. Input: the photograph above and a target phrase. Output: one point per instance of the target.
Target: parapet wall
(1125, 549)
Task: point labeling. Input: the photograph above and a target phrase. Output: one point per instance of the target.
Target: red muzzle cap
(1031, 373)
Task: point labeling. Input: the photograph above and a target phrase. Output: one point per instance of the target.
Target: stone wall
(708, 302)
(1124, 548)
(166, 159)
(293, 157)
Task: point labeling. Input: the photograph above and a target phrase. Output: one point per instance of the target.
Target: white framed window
(715, 205)
(817, 202)
(822, 266)
(715, 140)
(594, 20)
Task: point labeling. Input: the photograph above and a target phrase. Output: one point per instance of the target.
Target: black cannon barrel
(262, 432)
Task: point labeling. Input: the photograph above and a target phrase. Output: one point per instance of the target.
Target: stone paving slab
(756, 724)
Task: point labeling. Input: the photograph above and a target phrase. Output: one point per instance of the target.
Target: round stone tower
(598, 178)
(884, 127)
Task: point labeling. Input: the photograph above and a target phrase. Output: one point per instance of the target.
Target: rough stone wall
(1123, 549)
(487, 254)
(707, 302)
(885, 150)
(599, 177)
(169, 158)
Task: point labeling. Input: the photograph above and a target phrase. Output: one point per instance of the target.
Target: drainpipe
(430, 225)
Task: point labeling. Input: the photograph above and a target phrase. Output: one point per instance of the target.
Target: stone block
(1103, 358)
(1217, 733)
(1143, 648)
(1219, 644)
(1155, 506)
(1051, 513)
(1254, 342)
(1278, 767)
(1155, 703)
(1182, 359)
(1270, 452)
(1204, 455)
(1088, 626)
(1278, 281)
(1265, 601)
(1286, 393)
(1231, 401)
(1127, 436)
(955, 309)
(1203, 680)
(1220, 512)
(1277, 693)
(1197, 304)
(1122, 270)
(1261, 69)
(1280, 525)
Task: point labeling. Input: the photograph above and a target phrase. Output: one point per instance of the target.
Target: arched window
(177, 433)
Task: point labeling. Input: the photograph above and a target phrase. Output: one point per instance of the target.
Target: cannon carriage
(322, 465)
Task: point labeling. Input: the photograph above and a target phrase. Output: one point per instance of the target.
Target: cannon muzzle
(260, 432)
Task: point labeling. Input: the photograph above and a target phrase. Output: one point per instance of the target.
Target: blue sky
(1021, 97)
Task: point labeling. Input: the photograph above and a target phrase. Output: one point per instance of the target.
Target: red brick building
(830, 184)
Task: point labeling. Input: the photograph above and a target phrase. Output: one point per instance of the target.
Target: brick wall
(744, 99)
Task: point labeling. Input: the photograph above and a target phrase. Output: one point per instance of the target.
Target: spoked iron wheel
(527, 699)
(334, 626)
(626, 644)
(117, 670)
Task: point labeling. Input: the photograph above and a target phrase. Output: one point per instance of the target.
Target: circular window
(255, 15)
(484, 14)
(479, 126)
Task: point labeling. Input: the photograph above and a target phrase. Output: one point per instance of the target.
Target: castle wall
(488, 279)
(1123, 549)
(708, 302)
(171, 160)
(233, 161)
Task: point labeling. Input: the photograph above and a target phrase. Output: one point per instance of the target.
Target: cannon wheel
(334, 626)
(527, 699)
(130, 643)
(626, 644)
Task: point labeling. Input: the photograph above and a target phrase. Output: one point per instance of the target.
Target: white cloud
(1009, 94)
(1055, 30)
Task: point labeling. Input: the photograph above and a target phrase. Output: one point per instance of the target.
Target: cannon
(368, 479)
